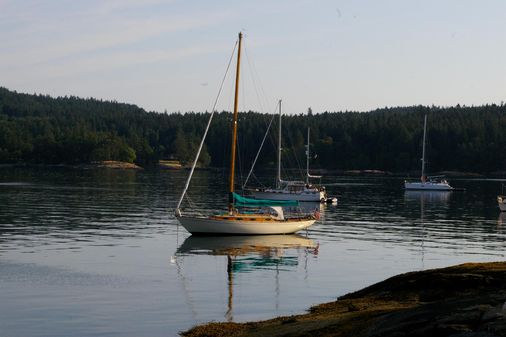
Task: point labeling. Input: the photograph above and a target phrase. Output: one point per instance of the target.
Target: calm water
(98, 253)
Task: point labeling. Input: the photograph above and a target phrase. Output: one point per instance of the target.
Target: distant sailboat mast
(278, 178)
(307, 158)
(308, 155)
(422, 178)
(434, 183)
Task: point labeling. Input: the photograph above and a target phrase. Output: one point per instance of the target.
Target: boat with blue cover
(245, 216)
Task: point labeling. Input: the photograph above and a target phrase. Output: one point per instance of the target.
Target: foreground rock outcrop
(460, 301)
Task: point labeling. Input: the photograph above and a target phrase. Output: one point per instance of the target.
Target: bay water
(99, 252)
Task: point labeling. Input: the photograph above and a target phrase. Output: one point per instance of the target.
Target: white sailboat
(261, 216)
(431, 183)
(292, 189)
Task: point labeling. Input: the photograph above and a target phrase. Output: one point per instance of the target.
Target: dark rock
(462, 301)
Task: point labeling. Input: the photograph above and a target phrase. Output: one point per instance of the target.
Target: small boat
(431, 183)
(292, 190)
(245, 216)
(501, 200)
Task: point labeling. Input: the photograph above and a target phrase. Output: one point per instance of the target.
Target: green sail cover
(249, 202)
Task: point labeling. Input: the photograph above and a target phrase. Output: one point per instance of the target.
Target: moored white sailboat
(431, 183)
(244, 216)
(266, 218)
(292, 189)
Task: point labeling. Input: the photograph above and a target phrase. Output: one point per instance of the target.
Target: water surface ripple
(99, 253)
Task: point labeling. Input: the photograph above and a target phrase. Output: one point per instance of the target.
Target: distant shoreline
(107, 164)
(174, 165)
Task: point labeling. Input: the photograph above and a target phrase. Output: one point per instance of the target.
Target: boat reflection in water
(427, 203)
(247, 253)
(501, 220)
(428, 196)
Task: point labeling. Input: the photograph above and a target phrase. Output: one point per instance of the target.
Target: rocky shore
(113, 164)
(461, 301)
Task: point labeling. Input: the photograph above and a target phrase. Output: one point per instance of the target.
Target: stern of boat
(501, 201)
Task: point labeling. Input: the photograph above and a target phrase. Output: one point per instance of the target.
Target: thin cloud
(111, 6)
(115, 34)
(116, 60)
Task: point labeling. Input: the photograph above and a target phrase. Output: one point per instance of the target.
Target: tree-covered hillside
(71, 130)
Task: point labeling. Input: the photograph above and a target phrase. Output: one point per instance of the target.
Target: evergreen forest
(39, 129)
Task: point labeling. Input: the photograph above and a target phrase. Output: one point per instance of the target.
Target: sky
(171, 55)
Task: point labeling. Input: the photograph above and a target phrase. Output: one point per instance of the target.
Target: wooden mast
(234, 129)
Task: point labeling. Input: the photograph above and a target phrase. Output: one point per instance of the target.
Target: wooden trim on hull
(216, 226)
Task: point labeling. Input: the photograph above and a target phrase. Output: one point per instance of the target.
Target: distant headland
(39, 129)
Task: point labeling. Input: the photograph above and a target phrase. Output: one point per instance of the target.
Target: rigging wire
(295, 156)
(188, 299)
(300, 171)
(259, 91)
(258, 153)
(239, 159)
(254, 74)
(251, 65)
(187, 184)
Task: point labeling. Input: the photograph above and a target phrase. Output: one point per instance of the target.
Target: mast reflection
(426, 199)
(248, 253)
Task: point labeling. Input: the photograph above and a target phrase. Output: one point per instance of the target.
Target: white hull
(428, 186)
(501, 201)
(201, 225)
(286, 195)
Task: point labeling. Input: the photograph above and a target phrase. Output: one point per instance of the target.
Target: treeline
(72, 130)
